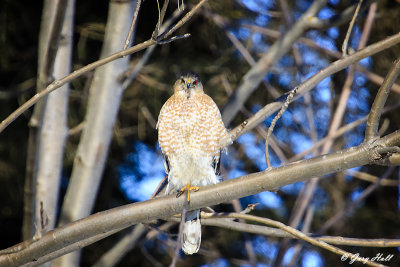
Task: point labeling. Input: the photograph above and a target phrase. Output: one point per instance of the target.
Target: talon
(194, 188)
(189, 188)
(180, 193)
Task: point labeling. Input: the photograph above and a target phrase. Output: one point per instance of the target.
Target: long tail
(191, 232)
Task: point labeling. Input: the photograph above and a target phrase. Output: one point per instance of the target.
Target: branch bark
(54, 129)
(95, 227)
(50, 34)
(103, 105)
(377, 107)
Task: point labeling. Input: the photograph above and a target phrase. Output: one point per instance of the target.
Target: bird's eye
(195, 83)
(182, 81)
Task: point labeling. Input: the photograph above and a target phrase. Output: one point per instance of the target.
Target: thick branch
(54, 38)
(102, 224)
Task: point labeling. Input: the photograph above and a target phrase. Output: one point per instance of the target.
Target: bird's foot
(189, 188)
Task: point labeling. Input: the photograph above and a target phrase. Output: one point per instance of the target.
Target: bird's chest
(189, 119)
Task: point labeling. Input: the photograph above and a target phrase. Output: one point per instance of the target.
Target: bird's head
(188, 82)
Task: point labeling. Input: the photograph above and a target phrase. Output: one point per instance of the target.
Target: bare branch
(134, 19)
(377, 107)
(313, 81)
(161, 15)
(275, 232)
(373, 77)
(56, 84)
(350, 29)
(372, 178)
(174, 38)
(133, 71)
(54, 38)
(188, 15)
(337, 133)
(95, 227)
(255, 75)
(293, 232)
(277, 117)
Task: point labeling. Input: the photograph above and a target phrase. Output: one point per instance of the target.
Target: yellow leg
(188, 188)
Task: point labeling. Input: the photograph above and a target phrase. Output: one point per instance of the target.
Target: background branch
(57, 84)
(254, 76)
(102, 224)
(309, 84)
(377, 107)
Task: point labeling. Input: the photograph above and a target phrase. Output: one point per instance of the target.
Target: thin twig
(306, 227)
(256, 74)
(134, 19)
(161, 15)
(337, 133)
(375, 78)
(181, 6)
(349, 30)
(372, 178)
(295, 233)
(177, 37)
(237, 206)
(272, 126)
(314, 80)
(57, 84)
(345, 94)
(183, 20)
(268, 231)
(133, 71)
(160, 187)
(377, 107)
(76, 129)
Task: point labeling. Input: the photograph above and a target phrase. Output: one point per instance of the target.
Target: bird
(191, 135)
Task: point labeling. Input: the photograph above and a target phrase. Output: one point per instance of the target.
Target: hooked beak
(188, 84)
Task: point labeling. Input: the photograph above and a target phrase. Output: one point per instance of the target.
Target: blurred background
(227, 38)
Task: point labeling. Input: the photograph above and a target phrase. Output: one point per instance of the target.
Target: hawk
(191, 135)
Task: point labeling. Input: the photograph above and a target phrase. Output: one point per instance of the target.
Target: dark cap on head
(188, 74)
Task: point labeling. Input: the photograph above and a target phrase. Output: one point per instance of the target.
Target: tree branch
(56, 84)
(377, 107)
(133, 23)
(95, 227)
(255, 75)
(294, 232)
(309, 84)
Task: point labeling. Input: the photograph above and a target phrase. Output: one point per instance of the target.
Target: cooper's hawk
(191, 135)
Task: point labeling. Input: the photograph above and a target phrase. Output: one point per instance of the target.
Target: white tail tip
(191, 233)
